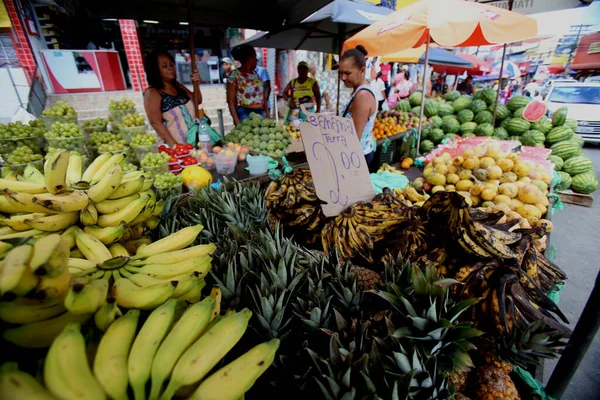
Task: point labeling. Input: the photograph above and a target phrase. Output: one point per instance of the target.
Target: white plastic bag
(22, 116)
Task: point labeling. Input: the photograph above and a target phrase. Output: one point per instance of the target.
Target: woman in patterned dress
(168, 104)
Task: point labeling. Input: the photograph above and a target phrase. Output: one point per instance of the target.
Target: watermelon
(485, 129)
(565, 150)
(571, 123)
(558, 134)
(445, 109)
(477, 105)
(477, 95)
(483, 117)
(437, 121)
(515, 138)
(531, 138)
(403, 105)
(578, 165)
(505, 122)
(585, 183)
(468, 135)
(516, 102)
(488, 95)
(517, 126)
(565, 181)
(500, 133)
(448, 137)
(534, 111)
(431, 108)
(451, 126)
(426, 146)
(557, 161)
(465, 116)
(577, 139)
(501, 111)
(436, 135)
(452, 95)
(543, 125)
(448, 118)
(559, 116)
(425, 133)
(460, 104)
(467, 127)
(415, 99)
(416, 111)
(519, 112)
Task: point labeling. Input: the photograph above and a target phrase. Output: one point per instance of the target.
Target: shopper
(386, 71)
(378, 88)
(245, 89)
(404, 84)
(168, 104)
(302, 90)
(362, 107)
(466, 86)
(227, 65)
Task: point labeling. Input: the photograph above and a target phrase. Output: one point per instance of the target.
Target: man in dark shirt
(466, 86)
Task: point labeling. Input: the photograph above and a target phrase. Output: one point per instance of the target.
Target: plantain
(485, 238)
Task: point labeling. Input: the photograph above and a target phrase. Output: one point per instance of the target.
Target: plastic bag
(22, 116)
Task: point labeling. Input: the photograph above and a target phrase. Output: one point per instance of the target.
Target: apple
(229, 153)
(203, 157)
(237, 147)
(230, 144)
(217, 149)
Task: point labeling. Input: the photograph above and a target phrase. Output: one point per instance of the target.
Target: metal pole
(342, 29)
(193, 55)
(424, 91)
(499, 84)
(221, 123)
(581, 339)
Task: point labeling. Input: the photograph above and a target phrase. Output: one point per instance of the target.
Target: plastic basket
(93, 129)
(20, 168)
(140, 151)
(70, 143)
(49, 121)
(129, 132)
(160, 169)
(35, 143)
(384, 154)
(163, 193)
(117, 115)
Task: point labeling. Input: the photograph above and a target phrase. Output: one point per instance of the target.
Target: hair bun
(361, 48)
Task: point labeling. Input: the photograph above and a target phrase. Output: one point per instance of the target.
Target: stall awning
(4, 18)
(587, 55)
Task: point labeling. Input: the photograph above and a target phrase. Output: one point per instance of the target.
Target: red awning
(556, 68)
(479, 67)
(587, 55)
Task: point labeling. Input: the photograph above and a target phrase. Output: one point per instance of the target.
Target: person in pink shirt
(386, 70)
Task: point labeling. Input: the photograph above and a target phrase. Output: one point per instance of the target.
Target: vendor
(362, 107)
(168, 104)
(245, 89)
(302, 90)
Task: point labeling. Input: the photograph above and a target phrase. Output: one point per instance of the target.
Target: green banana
(15, 384)
(110, 364)
(14, 266)
(207, 351)
(107, 314)
(5, 247)
(27, 311)
(148, 182)
(86, 296)
(190, 326)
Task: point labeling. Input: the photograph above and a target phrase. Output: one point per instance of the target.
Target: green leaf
(401, 332)
(409, 308)
(432, 312)
(335, 388)
(459, 308)
(403, 362)
(419, 323)
(446, 282)
(419, 281)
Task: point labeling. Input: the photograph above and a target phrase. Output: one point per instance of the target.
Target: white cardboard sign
(337, 164)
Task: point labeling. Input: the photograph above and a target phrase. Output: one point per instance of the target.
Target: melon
(516, 102)
(460, 104)
(465, 116)
(426, 146)
(451, 125)
(571, 123)
(488, 95)
(565, 181)
(501, 111)
(534, 111)
(577, 139)
(430, 108)
(445, 109)
(477, 105)
(403, 105)
(559, 116)
(585, 183)
(484, 129)
(517, 126)
(437, 121)
(558, 134)
(578, 165)
(436, 135)
(467, 127)
(483, 117)
(452, 95)
(500, 133)
(557, 161)
(415, 99)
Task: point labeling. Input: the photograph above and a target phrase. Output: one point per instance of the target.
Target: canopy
(324, 30)
(479, 66)
(510, 67)
(437, 56)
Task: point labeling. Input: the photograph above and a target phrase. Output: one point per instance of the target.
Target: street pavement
(576, 237)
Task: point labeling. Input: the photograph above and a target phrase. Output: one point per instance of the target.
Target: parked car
(592, 79)
(583, 101)
(550, 82)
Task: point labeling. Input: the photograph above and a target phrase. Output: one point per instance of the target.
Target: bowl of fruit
(167, 185)
(97, 139)
(226, 161)
(61, 112)
(143, 143)
(131, 125)
(119, 108)
(129, 167)
(21, 157)
(156, 163)
(16, 134)
(206, 160)
(66, 136)
(95, 125)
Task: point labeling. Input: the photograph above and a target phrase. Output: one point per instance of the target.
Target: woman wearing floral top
(245, 89)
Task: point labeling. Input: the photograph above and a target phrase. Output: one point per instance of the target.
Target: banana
(86, 296)
(16, 222)
(107, 235)
(107, 185)
(5, 248)
(190, 326)
(55, 287)
(185, 282)
(55, 172)
(89, 215)
(175, 241)
(411, 194)
(66, 370)
(8, 173)
(32, 174)
(27, 311)
(68, 202)
(460, 234)
(75, 168)
(14, 266)
(92, 248)
(147, 211)
(107, 314)
(76, 253)
(117, 249)
(216, 294)
(207, 351)
(132, 174)
(22, 187)
(26, 284)
(111, 206)
(23, 234)
(17, 385)
(41, 334)
(165, 271)
(110, 364)
(176, 256)
(95, 166)
(127, 214)
(118, 159)
(53, 222)
(81, 264)
(132, 246)
(152, 223)
(130, 295)
(194, 293)
(145, 346)
(148, 182)
(20, 202)
(127, 188)
(50, 253)
(485, 237)
(237, 377)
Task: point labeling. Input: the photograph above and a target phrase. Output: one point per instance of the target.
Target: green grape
(155, 159)
(121, 105)
(144, 139)
(98, 122)
(167, 180)
(130, 120)
(22, 155)
(61, 109)
(128, 167)
(98, 138)
(63, 130)
(118, 145)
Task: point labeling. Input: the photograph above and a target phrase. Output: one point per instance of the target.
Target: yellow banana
(117, 249)
(26, 284)
(194, 293)
(107, 235)
(237, 377)
(86, 296)
(92, 248)
(158, 207)
(107, 314)
(152, 223)
(16, 221)
(110, 364)
(53, 222)
(75, 169)
(23, 234)
(22, 187)
(127, 188)
(107, 185)
(127, 214)
(20, 202)
(148, 182)
(67, 202)
(95, 166)
(27, 311)
(81, 264)
(32, 174)
(5, 248)
(118, 158)
(190, 326)
(175, 241)
(207, 351)
(50, 255)
(130, 295)
(15, 384)
(132, 174)
(145, 346)
(14, 267)
(55, 172)
(132, 246)
(165, 271)
(111, 206)
(55, 287)
(89, 215)
(176, 256)
(146, 212)
(216, 294)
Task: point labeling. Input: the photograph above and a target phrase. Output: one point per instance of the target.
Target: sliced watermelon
(534, 111)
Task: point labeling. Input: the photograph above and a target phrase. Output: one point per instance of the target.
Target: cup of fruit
(94, 125)
(66, 136)
(61, 112)
(206, 160)
(167, 185)
(156, 163)
(226, 161)
(143, 144)
(22, 156)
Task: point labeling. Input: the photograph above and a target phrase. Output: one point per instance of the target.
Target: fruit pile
(143, 140)
(263, 136)
(131, 120)
(66, 136)
(99, 124)
(16, 134)
(98, 138)
(153, 160)
(22, 155)
(293, 131)
(390, 123)
(121, 105)
(60, 109)
(241, 151)
(167, 180)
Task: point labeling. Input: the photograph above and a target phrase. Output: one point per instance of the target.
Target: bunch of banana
(356, 229)
(180, 351)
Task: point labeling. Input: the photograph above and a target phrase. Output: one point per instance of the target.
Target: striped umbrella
(510, 67)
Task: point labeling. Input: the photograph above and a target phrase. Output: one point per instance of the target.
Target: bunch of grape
(18, 130)
(98, 138)
(100, 123)
(22, 155)
(63, 130)
(128, 167)
(167, 180)
(117, 145)
(155, 159)
(61, 109)
(144, 139)
(121, 105)
(132, 120)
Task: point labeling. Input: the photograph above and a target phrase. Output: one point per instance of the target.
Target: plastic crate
(35, 143)
(385, 153)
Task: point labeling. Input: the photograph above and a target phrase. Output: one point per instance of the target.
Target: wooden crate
(570, 197)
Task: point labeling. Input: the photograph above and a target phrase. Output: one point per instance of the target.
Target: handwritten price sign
(336, 161)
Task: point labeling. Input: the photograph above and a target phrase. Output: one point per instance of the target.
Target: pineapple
(493, 383)
(367, 279)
